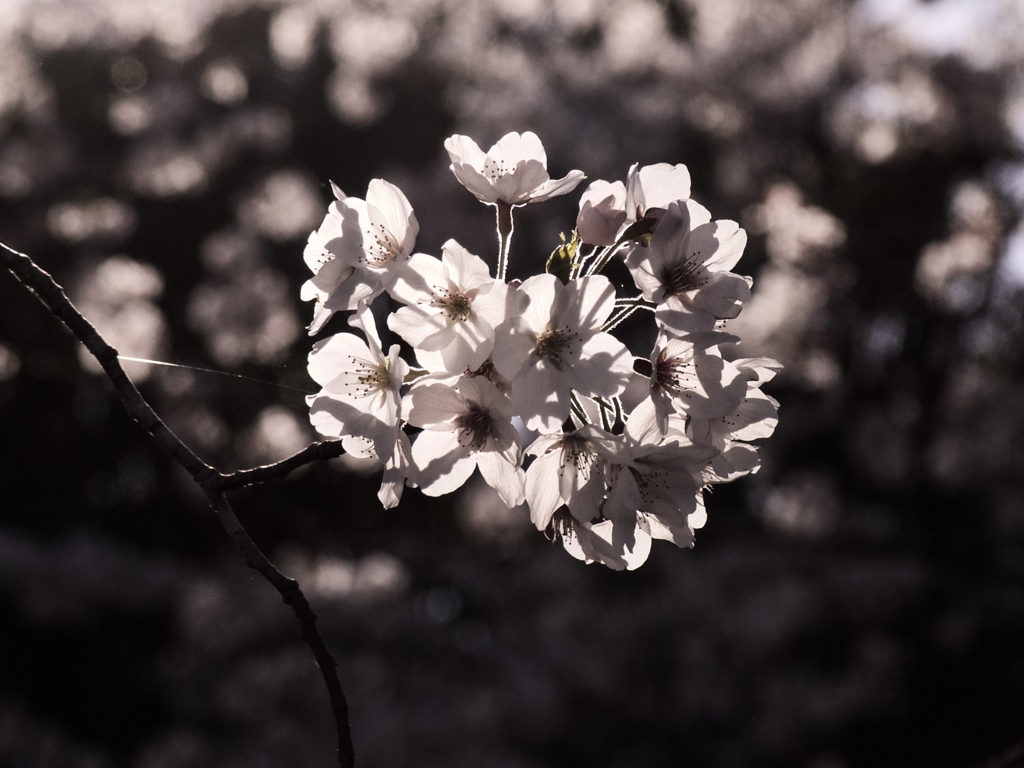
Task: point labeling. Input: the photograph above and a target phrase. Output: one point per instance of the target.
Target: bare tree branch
(213, 482)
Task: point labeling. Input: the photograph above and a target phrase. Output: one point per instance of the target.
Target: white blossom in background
(620, 447)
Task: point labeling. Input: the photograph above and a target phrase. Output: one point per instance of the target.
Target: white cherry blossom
(569, 469)
(685, 268)
(661, 481)
(754, 418)
(612, 210)
(553, 343)
(613, 545)
(621, 458)
(360, 397)
(454, 305)
(690, 377)
(602, 216)
(356, 247)
(514, 171)
(466, 426)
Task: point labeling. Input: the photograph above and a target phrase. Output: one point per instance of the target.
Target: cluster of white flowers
(618, 449)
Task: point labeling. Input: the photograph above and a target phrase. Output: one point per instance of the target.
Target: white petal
(321, 315)
(736, 460)
(756, 417)
(556, 187)
(602, 212)
(477, 183)
(418, 279)
(513, 147)
(363, 320)
(462, 268)
(604, 367)
(517, 186)
(335, 355)
(432, 405)
(479, 390)
(507, 479)
(585, 304)
(542, 493)
(646, 266)
(490, 304)
(676, 531)
(540, 395)
(464, 151)
(395, 472)
(420, 326)
(624, 498)
(466, 345)
(718, 245)
(659, 185)
(615, 545)
(332, 417)
(359, 285)
(642, 424)
(395, 211)
(543, 292)
(442, 465)
(723, 296)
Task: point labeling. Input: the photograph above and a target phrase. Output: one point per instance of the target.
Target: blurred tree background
(859, 602)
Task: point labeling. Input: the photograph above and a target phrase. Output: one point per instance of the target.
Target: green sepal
(562, 261)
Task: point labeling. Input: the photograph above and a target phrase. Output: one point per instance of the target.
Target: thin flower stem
(577, 408)
(505, 227)
(624, 309)
(635, 301)
(603, 257)
(611, 412)
(582, 262)
(212, 481)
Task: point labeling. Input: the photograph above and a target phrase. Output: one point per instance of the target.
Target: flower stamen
(474, 426)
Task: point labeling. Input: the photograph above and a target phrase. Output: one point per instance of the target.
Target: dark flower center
(674, 374)
(553, 344)
(457, 306)
(475, 426)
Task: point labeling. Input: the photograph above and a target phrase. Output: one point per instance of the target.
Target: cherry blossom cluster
(524, 380)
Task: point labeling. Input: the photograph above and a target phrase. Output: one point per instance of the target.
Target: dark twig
(209, 478)
(292, 595)
(53, 297)
(328, 449)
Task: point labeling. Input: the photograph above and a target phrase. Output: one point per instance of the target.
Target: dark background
(859, 602)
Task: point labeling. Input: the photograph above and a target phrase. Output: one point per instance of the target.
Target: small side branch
(226, 481)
